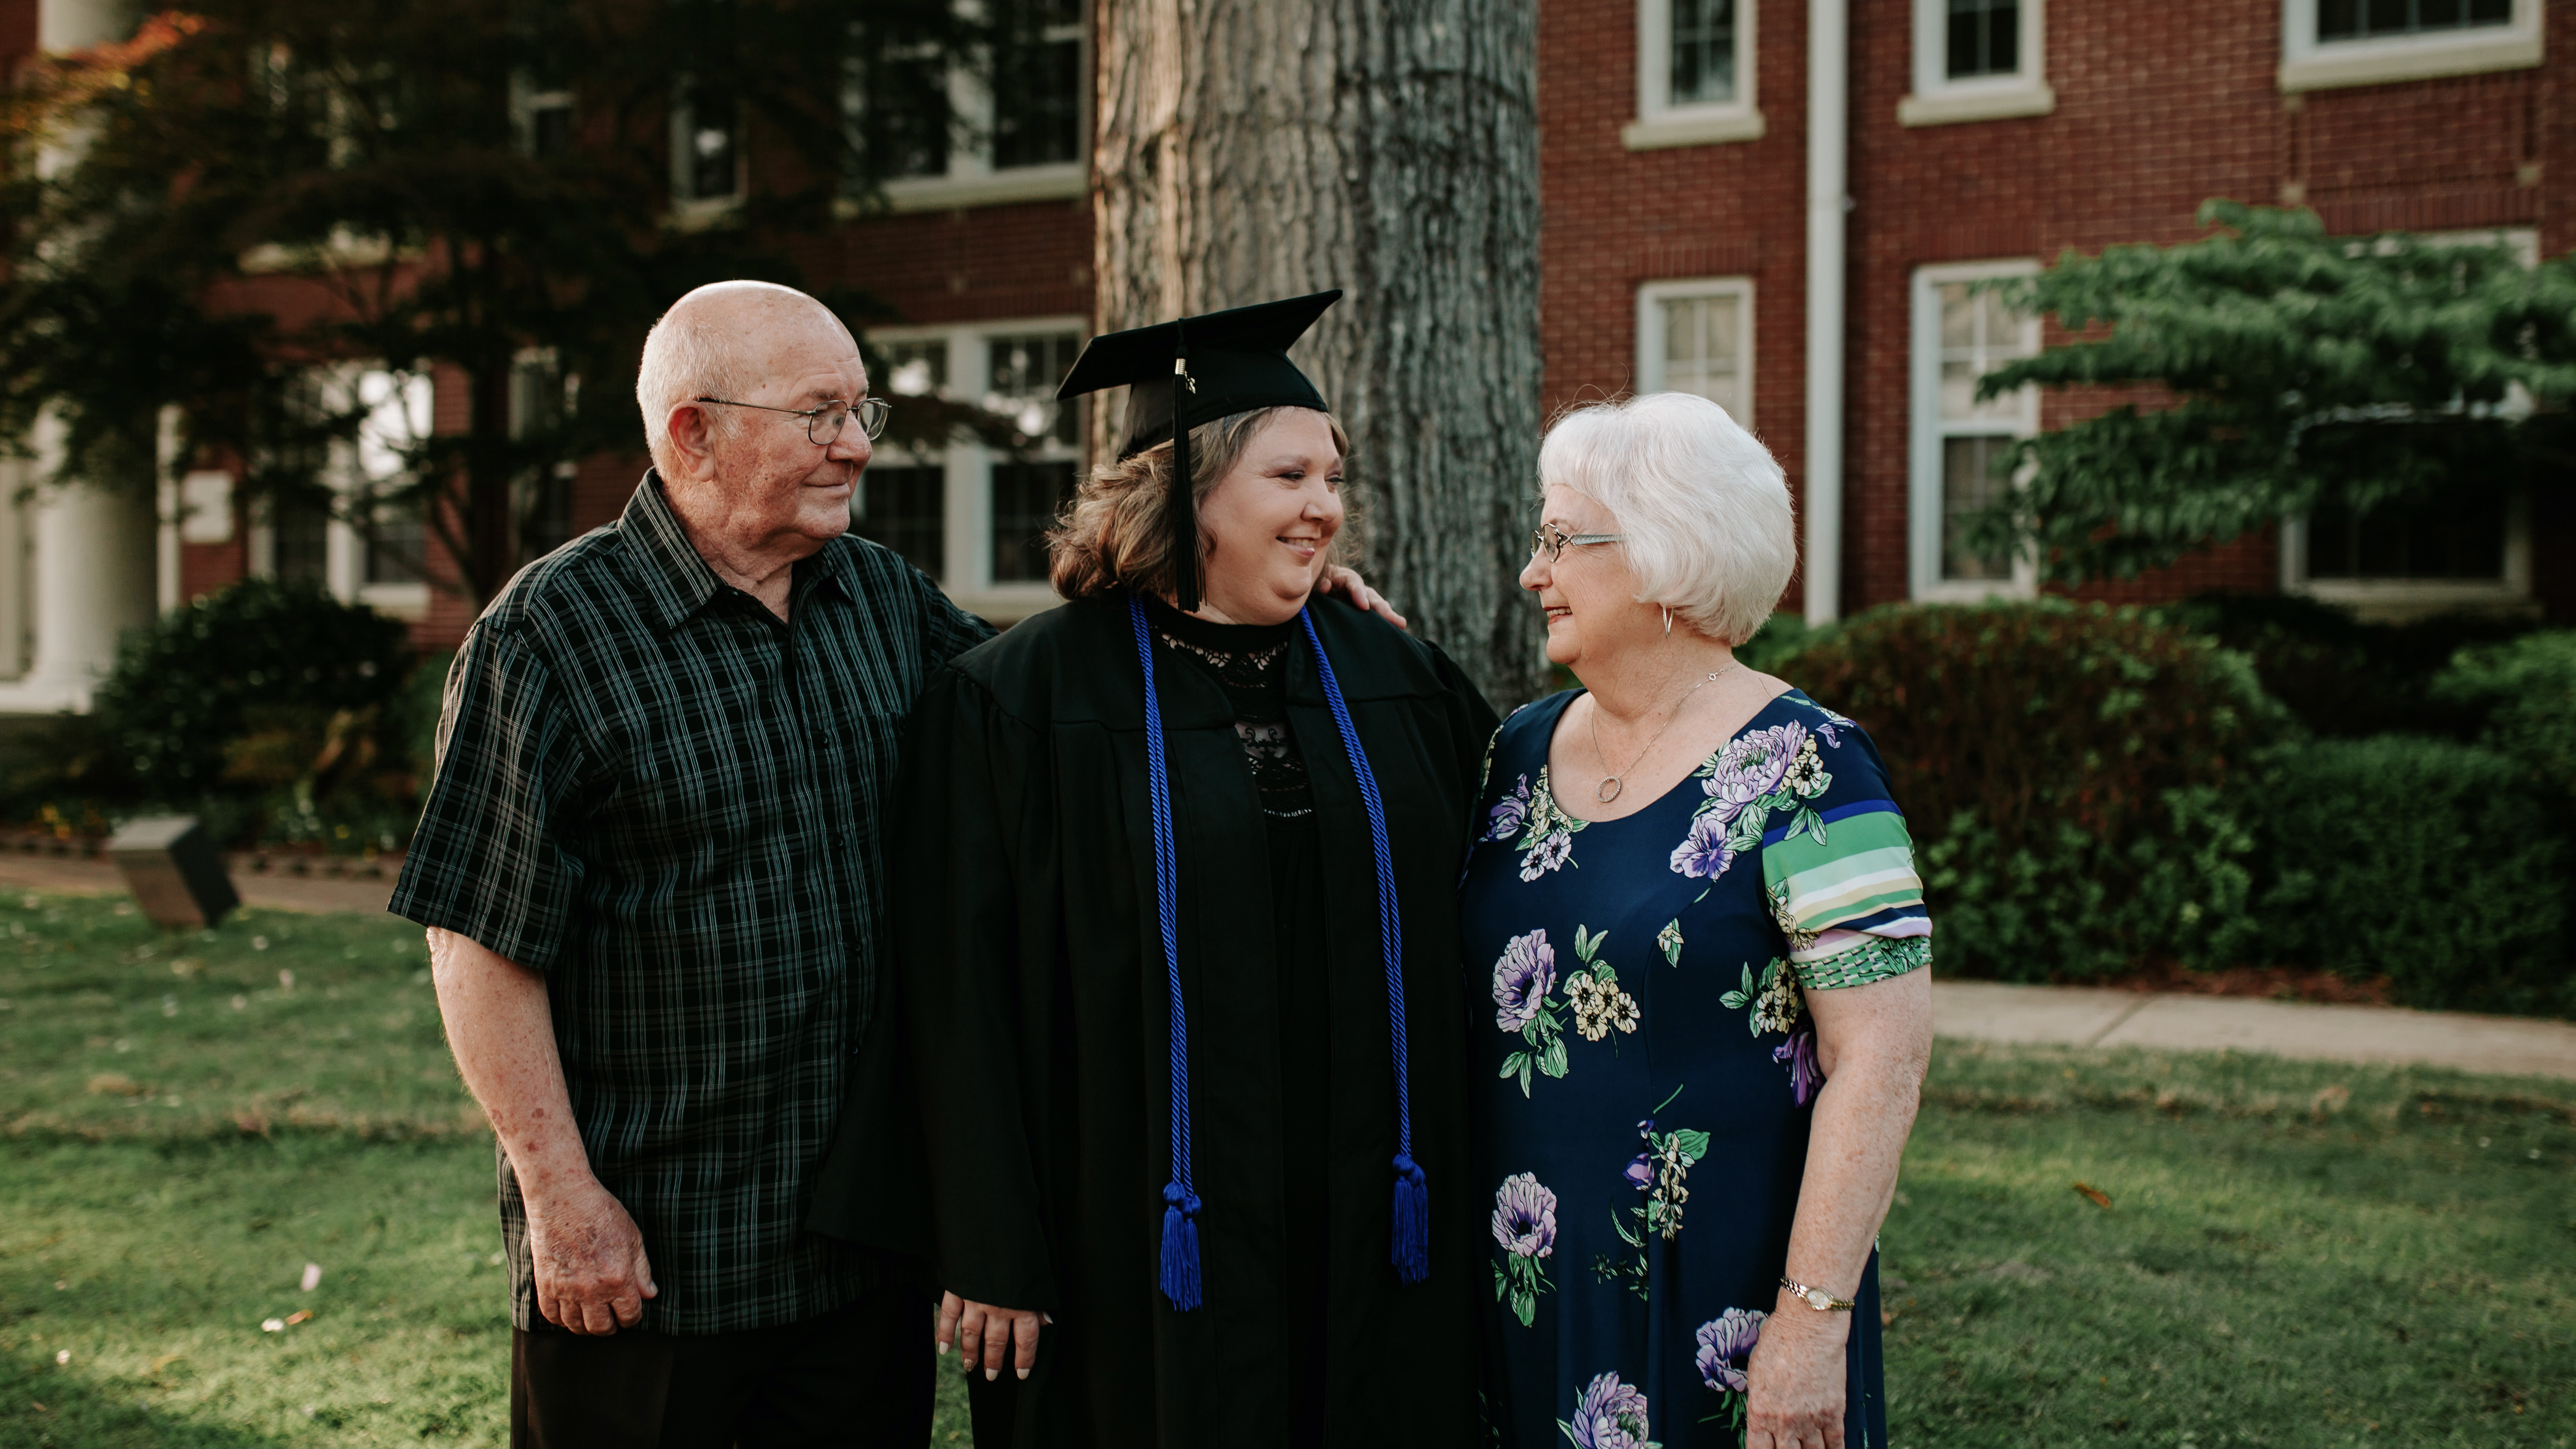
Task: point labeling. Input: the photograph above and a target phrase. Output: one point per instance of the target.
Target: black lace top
(1250, 662)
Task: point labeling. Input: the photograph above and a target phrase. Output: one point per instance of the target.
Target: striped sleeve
(1846, 894)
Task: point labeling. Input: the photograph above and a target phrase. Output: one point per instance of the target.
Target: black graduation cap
(1220, 364)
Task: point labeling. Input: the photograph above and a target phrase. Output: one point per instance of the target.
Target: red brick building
(1703, 163)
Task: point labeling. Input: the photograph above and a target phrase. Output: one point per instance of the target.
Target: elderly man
(650, 867)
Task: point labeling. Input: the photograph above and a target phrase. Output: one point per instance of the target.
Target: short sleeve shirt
(669, 802)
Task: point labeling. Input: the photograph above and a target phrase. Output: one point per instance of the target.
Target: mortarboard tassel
(1183, 503)
(1180, 1267)
(1409, 1236)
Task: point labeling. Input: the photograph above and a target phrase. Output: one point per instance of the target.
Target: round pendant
(1607, 790)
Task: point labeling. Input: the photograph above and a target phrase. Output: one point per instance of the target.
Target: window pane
(394, 554)
(906, 120)
(1703, 51)
(1984, 38)
(1024, 373)
(2367, 19)
(915, 367)
(906, 509)
(713, 153)
(550, 131)
(1702, 350)
(1958, 319)
(2459, 540)
(300, 529)
(1037, 103)
(1969, 481)
(1026, 500)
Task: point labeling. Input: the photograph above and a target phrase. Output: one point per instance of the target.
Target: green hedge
(2526, 692)
(2067, 770)
(2429, 862)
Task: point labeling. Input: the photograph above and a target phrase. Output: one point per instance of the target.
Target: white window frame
(696, 211)
(1941, 101)
(344, 550)
(973, 179)
(2407, 598)
(1928, 431)
(1651, 297)
(966, 523)
(1659, 122)
(2308, 64)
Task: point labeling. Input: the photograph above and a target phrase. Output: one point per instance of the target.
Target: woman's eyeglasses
(823, 425)
(1553, 541)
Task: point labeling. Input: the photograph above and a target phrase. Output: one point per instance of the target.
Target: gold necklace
(1611, 784)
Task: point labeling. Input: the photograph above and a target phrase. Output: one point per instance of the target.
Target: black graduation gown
(1022, 1034)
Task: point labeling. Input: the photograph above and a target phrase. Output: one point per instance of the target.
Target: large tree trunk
(1252, 149)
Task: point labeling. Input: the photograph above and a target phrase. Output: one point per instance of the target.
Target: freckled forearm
(1856, 1143)
(501, 1029)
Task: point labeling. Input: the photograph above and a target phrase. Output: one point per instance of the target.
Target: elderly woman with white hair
(1708, 940)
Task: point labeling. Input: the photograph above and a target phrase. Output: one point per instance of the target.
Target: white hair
(708, 350)
(1704, 506)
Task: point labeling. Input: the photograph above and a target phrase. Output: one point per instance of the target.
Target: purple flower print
(1522, 979)
(1753, 766)
(1704, 853)
(1725, 1343)
(1641, 1171)
(1798, 1054)
(1525, 1217)
(1609, 1415)
(1511, 812)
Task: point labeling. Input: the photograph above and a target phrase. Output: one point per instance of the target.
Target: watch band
(1817, 1298)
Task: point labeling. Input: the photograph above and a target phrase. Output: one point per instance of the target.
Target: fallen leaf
(312, 1276)
(298, 1316)
(115, 1084)
(40, 1406)
(2100, 1198)
(272, 1325)
(165, 1360)
(62, 1355)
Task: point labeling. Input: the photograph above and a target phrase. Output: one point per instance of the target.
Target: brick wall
(2158, 108)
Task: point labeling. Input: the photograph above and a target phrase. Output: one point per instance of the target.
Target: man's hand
(592, 1276)
(1347, 583)
(1795, 1380)
(985, 1335)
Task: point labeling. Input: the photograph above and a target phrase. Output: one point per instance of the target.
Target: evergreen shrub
(2526, 692)
(2426, 861)
(2068, 771)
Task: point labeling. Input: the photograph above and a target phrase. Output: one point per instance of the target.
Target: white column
(96, 576)
(1828, 123)
(73, 24)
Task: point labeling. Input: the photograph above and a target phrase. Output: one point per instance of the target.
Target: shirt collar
(679, 581)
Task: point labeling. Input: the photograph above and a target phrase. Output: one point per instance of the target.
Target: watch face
(1819, 1299)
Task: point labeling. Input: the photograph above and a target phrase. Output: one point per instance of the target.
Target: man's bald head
(721, 341)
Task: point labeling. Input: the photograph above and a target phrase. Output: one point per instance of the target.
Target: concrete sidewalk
(2079, 1016)
(1968, 1010)
(276, 892)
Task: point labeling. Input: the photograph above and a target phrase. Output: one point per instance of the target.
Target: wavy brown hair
(1113, 534)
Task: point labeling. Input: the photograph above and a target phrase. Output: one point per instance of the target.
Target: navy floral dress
(1654, 1066)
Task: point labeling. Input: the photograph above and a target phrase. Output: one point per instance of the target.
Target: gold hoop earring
(1668, 621)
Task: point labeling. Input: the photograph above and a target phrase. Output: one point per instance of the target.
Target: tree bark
(1253, 149)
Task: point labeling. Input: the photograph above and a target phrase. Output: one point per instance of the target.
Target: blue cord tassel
(1412, 1250)
(1180, 1246)
(1409, 1237)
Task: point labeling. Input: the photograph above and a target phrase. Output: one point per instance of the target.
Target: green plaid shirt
(670, 803)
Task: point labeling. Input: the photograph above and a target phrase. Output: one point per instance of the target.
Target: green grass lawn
(2294, 1254)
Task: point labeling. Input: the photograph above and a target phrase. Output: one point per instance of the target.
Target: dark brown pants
(860, 1375)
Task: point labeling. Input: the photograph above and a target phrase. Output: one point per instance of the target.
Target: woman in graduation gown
(1193, 1173)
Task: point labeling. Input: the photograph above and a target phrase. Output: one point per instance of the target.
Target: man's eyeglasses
(823, 425)
(1553, 541)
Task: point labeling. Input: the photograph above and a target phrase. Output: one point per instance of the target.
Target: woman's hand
(1795, 1380)
(986, 1335)
(1347, 583)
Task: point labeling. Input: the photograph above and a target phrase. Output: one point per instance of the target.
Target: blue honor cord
(1409, 1240)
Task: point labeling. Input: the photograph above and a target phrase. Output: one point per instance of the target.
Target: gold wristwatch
(1817, 1298)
